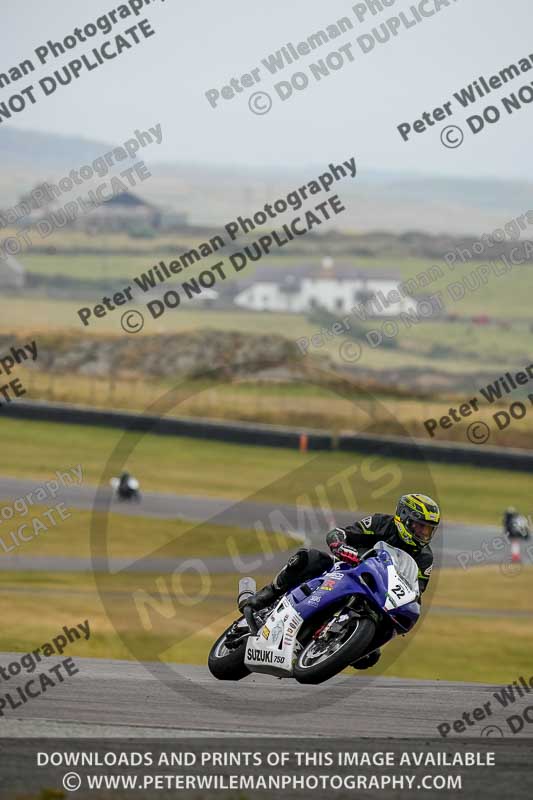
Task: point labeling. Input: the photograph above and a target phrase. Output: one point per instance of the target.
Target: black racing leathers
(363, 535)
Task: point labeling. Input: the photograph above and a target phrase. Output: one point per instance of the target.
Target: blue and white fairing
(387, 578)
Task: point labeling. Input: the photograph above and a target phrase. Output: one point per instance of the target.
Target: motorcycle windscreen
(402, 575)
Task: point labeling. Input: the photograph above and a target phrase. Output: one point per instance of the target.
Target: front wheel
(323, 657)
(227, 664)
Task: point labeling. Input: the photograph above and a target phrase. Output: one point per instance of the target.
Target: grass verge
(262, 474)
(465, 647)
(130, 536)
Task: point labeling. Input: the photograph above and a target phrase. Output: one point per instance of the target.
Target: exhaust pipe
(247, 588)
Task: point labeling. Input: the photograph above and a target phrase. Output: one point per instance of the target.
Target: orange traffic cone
(515, 550)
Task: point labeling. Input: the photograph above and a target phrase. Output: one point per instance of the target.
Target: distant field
(461, 348)
(505, 297)
(91, 267)
(117, 267)
(262, 474)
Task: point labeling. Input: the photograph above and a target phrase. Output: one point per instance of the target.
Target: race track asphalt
(458, 541)
(126, 698)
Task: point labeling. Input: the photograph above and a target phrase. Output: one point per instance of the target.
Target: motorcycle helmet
(417, 519)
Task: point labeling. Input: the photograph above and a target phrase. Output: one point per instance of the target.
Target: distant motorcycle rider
(127, 485)
(516, 528)
(515, 525)
(411, 529)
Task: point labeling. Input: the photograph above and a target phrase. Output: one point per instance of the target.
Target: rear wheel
(227, 664)
(327, 655)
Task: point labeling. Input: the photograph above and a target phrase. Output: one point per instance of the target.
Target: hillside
(211, 193)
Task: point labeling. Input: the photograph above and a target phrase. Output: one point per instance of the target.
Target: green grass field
(262, 474)
(128, 536)
(114, 266)
(471, 647)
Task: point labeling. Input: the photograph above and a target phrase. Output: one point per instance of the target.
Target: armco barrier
(238, 433)
(275, 436)
(439, 452)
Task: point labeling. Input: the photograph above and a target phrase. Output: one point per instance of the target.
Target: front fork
(354, 608)
(358, 607)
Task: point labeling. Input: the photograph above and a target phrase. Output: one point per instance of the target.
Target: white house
(337, 290)
(12, 273)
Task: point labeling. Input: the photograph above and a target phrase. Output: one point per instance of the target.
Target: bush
(323, 318)
(144, 232)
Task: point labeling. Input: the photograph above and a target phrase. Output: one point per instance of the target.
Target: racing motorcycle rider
(126, 488)
(515, 525)
(516, 528)
(411, 529)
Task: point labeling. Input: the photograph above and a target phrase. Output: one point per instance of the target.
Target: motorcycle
(324, 625)
(128, 492)
(518, 528)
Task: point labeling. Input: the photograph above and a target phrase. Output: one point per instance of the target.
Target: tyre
(227, 665)
(319, 661)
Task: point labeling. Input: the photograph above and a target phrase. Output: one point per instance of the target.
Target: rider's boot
(367, 661)
(304, 564)
(261, 599)
(286, 578)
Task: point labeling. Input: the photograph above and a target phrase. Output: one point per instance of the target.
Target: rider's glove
(348, 554)
(335, 539)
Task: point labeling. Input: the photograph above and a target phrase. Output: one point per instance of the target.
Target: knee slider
(298, 561)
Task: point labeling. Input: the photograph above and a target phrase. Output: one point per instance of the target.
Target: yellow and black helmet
(417, 518)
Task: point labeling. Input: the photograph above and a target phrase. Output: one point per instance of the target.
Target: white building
(337, 290)
(12, 273)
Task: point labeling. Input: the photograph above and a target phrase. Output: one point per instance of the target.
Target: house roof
(294, 275)
(128, 200)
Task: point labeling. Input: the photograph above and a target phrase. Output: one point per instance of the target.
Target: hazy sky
(203, 44)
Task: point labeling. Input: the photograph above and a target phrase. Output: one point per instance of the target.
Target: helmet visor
(423, 532)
